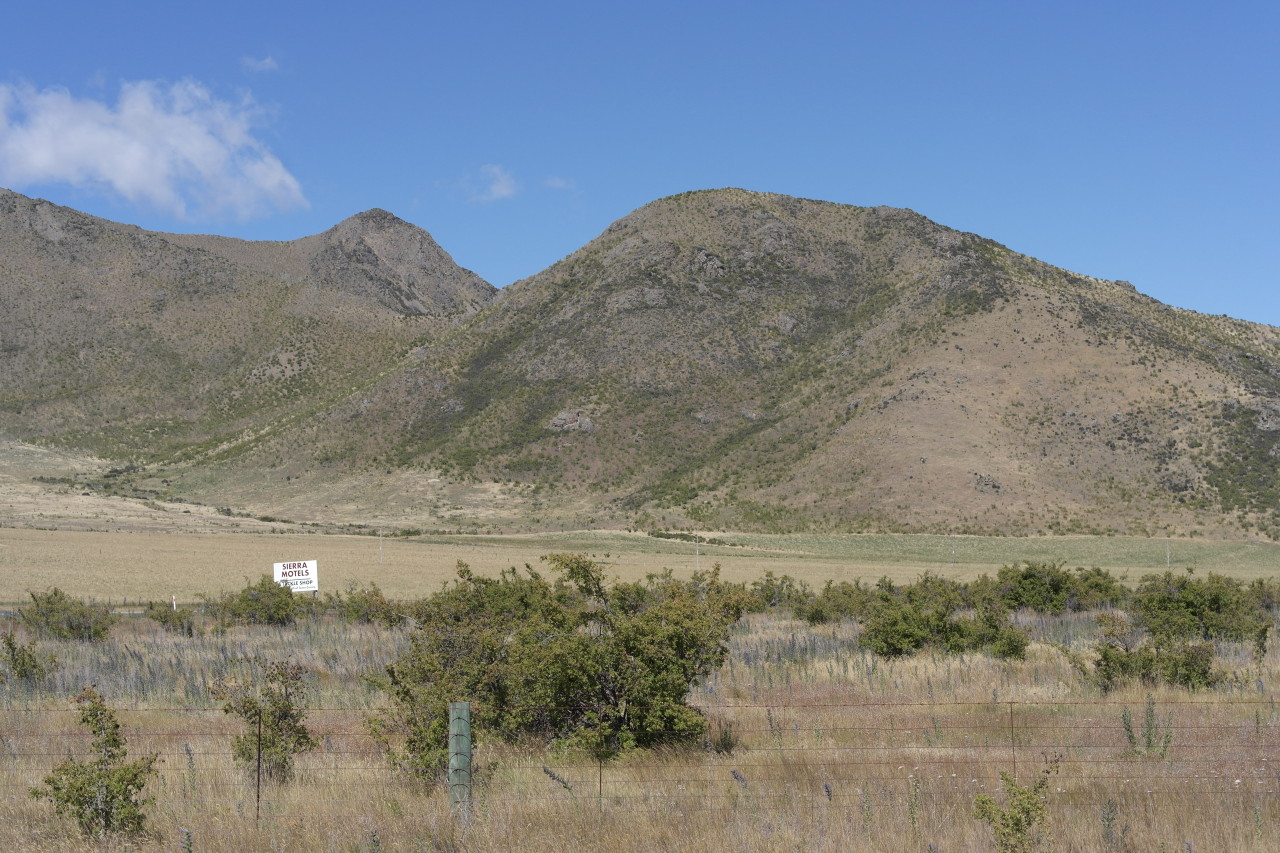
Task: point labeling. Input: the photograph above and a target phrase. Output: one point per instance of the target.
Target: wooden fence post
(257, 776)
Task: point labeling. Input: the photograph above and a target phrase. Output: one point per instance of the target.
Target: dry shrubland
(813, 743)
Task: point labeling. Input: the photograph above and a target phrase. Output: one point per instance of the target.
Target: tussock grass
(836, 749)
(145, 667)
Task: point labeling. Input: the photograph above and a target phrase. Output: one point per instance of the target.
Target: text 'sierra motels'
(298, 575)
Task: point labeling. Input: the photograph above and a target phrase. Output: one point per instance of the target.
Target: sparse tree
(102, 794)
(269, 698)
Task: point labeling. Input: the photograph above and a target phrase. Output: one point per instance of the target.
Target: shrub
(56, 615)
(778, 591)
(25, 663)
(1096, 588)
(101, 794)
(907, 620)
(1175, 608)
(589, 665)
(842, 600)
(364, 605)
(1019, 826)
(1265, 593)
(269, 698)
(1121, 657)
(931, 592)
(1186, 664)
(263, 603)
(898, 628)
(1047, 587)
(180, 621)
(999, 637)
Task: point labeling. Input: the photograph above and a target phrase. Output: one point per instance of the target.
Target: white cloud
(555, 182)
(267, 63)
(497, 183)
(171, 147)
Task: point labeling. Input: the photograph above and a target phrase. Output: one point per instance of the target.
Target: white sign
(299, 576)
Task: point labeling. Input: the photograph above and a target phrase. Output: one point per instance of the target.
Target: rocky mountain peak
(379, 255)
(374, 219)
(725, 358)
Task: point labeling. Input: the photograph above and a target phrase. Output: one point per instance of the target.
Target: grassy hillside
(720, 359)
(141, 346)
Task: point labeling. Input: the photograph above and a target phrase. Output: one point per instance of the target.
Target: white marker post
(299, 575)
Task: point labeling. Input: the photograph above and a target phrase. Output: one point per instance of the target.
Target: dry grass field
(121, 549)
(837, 749)
(139, 565)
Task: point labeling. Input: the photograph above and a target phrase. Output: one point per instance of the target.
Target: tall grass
(145, 666)
(836, 750)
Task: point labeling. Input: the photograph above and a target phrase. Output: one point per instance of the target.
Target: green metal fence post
(460, 758)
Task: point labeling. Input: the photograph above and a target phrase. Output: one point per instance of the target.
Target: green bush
(1047, 587)
(601, 667)
(842, 600)
(1096, 588)
(180, 621)
(931, 592)
(1000, 638)
(1020, 825)
(25, 663)
(56, 615)
(1181, 607)
(898, 628)
(1265, 593)
(269, 696)
(904, 621)
(263, 603)
(777, 591)
(102, 793)
(364, 605)
(1122, 657)
(846, 600)
(1188, 665)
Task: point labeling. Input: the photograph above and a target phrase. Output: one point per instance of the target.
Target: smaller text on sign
(298, 575)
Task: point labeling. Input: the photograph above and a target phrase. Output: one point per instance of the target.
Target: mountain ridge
(726, 358)
(109, 326)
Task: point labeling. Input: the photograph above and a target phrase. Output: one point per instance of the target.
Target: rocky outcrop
(571, 421)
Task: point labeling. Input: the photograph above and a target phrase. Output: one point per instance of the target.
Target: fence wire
(784, 756)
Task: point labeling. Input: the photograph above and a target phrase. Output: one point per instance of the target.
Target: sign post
(299, 575)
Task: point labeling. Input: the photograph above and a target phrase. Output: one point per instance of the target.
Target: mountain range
(720, 359)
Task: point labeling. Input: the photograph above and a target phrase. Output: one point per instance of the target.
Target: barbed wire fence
(850, 755)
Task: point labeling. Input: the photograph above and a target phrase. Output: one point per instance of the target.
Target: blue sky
(1125, 140)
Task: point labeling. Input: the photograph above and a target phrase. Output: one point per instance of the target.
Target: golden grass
(902, 797)
(140, 566)
(838, 750)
